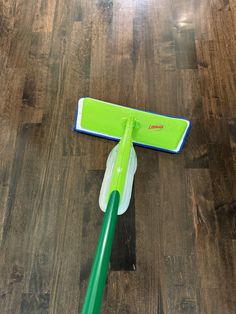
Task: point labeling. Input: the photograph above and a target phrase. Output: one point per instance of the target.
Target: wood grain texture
(175, 250)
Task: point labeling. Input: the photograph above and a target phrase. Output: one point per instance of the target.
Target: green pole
(95, 289)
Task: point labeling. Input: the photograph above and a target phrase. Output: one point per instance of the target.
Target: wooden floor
(175, 249)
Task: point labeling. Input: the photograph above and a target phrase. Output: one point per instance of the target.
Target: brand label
(156, 126)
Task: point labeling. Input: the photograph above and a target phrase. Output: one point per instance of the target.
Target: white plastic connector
(124, 203)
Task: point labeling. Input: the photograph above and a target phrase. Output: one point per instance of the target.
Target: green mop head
(152, 130)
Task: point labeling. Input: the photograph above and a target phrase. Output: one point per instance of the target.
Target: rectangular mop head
(107, 120)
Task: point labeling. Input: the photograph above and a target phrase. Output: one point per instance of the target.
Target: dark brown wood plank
(35, 303)
(180, 282)
(186, 56)
(213, 245)
(21, 38)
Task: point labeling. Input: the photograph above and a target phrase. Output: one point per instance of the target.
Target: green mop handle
(95, 289)
(94, 293)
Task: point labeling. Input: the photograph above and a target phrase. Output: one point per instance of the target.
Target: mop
(128, 126)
